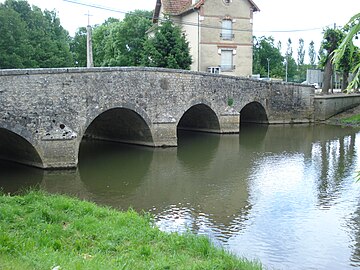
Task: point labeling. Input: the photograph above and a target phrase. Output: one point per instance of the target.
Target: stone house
(220, 32)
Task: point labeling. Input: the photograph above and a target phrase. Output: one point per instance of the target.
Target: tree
(14, 45)
(265, 53)
(100, 44)
(168, 48)
(78, 47)
(331, 40)
(347, 46)
(120, 43)
(41, 40)
(312, 54)
(126, 39)
(301, 52)
(289, 50)
(290, 64)
(301, 67)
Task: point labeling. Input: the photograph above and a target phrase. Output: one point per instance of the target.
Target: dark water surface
(285, 195)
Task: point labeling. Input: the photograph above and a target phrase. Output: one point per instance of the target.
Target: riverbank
(350, 117)
(43, 231)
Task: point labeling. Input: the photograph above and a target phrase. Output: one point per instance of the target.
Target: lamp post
(268, 61)
(286, 70)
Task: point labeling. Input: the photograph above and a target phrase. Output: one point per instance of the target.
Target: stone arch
(253, 112)
(120, 124)
(16, 147)
(199, 117)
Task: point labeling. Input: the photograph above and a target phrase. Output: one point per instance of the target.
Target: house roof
(178, 7)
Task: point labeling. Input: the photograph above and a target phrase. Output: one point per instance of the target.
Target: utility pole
(89, 53)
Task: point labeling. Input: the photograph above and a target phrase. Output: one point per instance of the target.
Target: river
(285, 195)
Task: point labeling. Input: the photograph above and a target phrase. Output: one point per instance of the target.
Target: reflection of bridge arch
(125, 167)
(122, 125)
(199, 117)
(15, 147)
(253, 112)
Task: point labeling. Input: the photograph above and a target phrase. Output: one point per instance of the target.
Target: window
(226, 30)
(227, 60)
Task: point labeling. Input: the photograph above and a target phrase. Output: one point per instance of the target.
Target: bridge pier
(57, 154)
(164, 134)
(229, 122)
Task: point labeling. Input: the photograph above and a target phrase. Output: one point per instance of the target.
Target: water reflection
(16, 177)
(112, 171)
(354, 226)
(285, 189)
(252, 136)
(334, 160)
(196, 150)
(283, 194)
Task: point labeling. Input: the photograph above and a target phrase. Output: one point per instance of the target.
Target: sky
(281, 19)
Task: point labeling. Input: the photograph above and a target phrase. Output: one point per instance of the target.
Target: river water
(285, 195)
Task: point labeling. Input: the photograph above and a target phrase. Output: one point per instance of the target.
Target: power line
(96, 6)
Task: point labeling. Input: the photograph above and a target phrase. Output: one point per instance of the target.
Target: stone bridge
(45, 113)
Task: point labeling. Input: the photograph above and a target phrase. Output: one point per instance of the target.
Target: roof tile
(174, 7)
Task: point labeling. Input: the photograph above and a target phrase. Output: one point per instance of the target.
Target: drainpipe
(198, 26)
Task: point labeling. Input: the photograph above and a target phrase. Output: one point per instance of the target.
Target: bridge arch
(121, 124)
(199, 117)
(253, 112)
(15, 147)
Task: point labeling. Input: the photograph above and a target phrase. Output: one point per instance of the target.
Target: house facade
(220, 32)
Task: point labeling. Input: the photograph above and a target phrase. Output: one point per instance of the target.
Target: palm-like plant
(347, 43)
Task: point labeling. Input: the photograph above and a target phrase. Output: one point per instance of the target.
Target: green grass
(355, 119)
(41, 231)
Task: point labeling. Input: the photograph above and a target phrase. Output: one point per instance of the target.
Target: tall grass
(42, 231)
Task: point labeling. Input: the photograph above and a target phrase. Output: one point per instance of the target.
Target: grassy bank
(42, 231)
(352, 120)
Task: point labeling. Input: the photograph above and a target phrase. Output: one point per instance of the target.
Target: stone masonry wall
(52, 108)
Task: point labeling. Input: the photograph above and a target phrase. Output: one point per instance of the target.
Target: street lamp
(268, 60)
(286, 70)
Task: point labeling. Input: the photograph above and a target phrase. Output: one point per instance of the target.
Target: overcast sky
(281, 19)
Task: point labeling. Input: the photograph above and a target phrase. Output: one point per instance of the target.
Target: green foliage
(265, 49)
(100, 38)
(120, 43)
(168, 48)
(13, 42)
(347, 50)
(40, 231)
(289, 50)
(312, 53)
(331, 40)
(78, 47)
(33, 38)
(301, 53)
